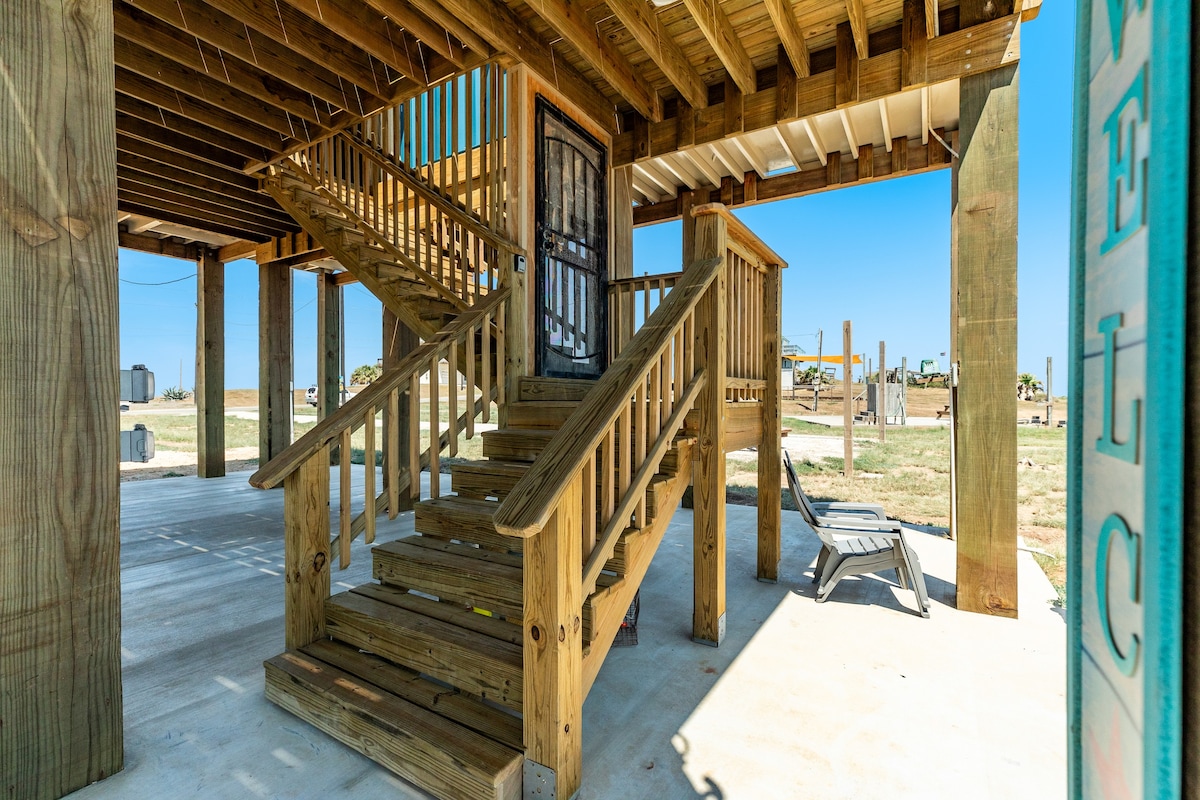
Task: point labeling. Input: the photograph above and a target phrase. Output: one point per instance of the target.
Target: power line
(164, 283)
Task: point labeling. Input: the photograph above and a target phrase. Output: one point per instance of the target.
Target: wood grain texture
(398, 341)
(553, 644)
(721, 35)
(914, 45)
(643, 25)
(274, 361)
(329, 344)
(210, 366)
(60, 617)
(708, 549)
(306, 550)
(846, 71)
(770, 548)
(985, 268)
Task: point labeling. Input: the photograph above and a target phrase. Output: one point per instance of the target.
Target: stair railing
(631, 301)
(426, 381)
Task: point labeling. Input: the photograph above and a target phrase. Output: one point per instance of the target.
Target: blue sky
(893, 282)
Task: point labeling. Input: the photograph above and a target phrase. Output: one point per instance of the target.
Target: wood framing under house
(479, 166)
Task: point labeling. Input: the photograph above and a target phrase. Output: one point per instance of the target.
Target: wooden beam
(136, 147)
(302, 34)
(553, 645)
(181, 143)
(430, 34)
(168, 212)
(189, 52)
(138, 59)
(621, 251)
(644, 26)
(459, 28)
(200, 113)
(210, 366)
(845, 85)
(169, 247)
(908, 157)
(274, 361)
(770, 455)
(708, 549)
(60, 587)
(914, 43)
(236, 251)
(196, 181)
(992, 44)
(932, 19)
(183, 204)
(329, 345)
(255, 211)
(984, 273)
(507, 32)
(172, 123)
(790, 37)
(857, 16)
(568, 21)
(719, 32)
(231, 36)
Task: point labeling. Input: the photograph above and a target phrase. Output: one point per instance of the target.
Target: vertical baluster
(435, 434)
(607, 478)
(655, 398)
(689, 335)
(344, 499)
(624, 453)
(589, 507)
(471, 382)
(452, 398)
(500, 365)
(444, 131)
(414, 437)
(472, 119)
(642, 429)
(486, 383)
(645, 302)
(680, 344)
(455, 121)
(392, 449)
(484, 131)
(369, 473)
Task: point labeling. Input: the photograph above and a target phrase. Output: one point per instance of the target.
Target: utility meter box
(137, 384)
(137, 444)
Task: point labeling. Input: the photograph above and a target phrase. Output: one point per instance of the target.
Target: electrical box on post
(137, 444)
(137, 384)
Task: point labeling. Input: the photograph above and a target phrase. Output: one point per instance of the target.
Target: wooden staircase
(422, 670)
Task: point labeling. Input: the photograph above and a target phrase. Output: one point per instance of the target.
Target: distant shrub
(365, 374)
(175, 393)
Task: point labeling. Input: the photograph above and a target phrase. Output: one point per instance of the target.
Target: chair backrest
(802, 502)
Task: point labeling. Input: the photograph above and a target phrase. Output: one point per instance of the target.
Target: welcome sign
(1127, 398)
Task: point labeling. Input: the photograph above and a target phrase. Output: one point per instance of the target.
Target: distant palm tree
(1027, 386)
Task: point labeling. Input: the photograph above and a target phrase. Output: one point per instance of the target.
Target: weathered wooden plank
(466, 659)
(464, 519)
(482, 479)
(210, 366)
(985, 265)
(708, 615)
(422, 747)
(553, 644)
(306, 550)
(770, 548)
(456, 614)
(274, 361)
(60, 663)
(460, 573)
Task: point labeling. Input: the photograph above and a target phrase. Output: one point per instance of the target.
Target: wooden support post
(881, 398)
(845, 75)
(553, 645)
(398, 341)
(210, 366)
(1049, 392)
(708, 552)
(688, 200)
(621, 253)
(274, 360)
(60, 592)
(329, 344)
(847, 401)
(306, 550)
(984, 269)
(769, 449)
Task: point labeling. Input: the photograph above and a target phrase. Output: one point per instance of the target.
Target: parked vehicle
(310, 396)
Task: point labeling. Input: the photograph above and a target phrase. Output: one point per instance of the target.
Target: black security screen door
(572, 249)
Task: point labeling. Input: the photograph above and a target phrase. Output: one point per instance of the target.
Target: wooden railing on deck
(303, 468)
(631, 301)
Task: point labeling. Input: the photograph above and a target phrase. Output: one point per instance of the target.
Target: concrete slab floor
(857, 697)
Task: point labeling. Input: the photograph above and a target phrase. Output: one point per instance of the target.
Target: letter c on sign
(1115, 524)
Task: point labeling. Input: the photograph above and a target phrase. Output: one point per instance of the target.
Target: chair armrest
(855, 509)
(874, 526)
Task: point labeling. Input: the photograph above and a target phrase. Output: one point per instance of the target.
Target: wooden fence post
(848, 401)
(306, 550)
(210, 366)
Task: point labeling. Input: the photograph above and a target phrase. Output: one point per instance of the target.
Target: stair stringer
(640, 550)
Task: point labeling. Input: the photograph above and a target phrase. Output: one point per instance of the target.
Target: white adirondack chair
(857, 539)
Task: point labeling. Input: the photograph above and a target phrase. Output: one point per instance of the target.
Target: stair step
(440, 755)
(568, 389)
(541, 414)
(450, 612)
(456, 572)
(483, 479)
(471, 661)
(463, 519)
(515, 444)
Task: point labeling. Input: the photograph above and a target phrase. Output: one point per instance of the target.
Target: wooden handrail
(431, 195)
(669, 277)
(532, 501)
(374, 396)
(738, 231)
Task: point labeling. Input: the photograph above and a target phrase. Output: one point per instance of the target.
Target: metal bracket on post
(720, 633)
(954, 374)
(538, 782)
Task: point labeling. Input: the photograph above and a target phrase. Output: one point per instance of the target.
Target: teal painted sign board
(1128, 304)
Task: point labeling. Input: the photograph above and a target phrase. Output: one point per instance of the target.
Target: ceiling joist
(719, 32)
(644, 26)
(784, 20)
